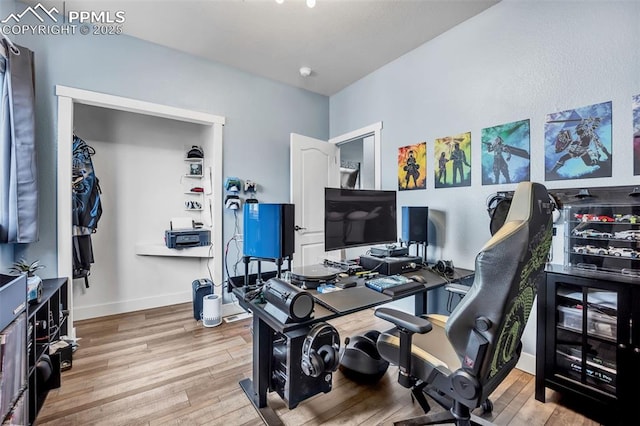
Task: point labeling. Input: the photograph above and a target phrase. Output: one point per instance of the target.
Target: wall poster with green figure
(505, 153)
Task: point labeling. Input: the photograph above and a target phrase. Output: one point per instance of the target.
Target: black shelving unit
(47, 322)
(13, 334)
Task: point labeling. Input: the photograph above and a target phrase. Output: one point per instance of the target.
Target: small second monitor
(415, 224)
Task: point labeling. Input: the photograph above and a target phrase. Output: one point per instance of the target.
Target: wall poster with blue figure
(505, 153)
(636, 135)
(578, 143)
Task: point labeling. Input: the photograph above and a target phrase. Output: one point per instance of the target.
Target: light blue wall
(260, 113)
(519, 59)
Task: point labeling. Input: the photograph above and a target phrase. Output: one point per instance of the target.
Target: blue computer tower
(268, 230)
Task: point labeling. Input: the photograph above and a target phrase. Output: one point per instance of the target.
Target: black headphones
(44, 368)
(444, 268)
(320, 350)
(498, 207)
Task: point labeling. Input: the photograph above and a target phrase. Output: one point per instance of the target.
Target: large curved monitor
(358, 217)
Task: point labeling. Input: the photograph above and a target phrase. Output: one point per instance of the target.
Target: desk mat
(350, 299)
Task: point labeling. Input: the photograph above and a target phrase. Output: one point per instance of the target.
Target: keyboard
(382, 283)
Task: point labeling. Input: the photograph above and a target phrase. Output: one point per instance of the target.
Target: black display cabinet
(587, 345)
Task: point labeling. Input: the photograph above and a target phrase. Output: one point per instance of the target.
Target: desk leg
(420, 303)
(256, 389)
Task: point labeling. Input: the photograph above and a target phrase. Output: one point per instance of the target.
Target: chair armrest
(404, 320)
(460, 289)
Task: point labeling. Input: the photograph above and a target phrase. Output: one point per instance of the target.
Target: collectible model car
(589, 249)
(588, 217)
(627, 218)
(629, 234)
(623, 252)
(591, 233)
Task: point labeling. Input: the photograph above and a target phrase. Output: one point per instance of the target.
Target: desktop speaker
(286, 302)
(268, 230)
(415, 223)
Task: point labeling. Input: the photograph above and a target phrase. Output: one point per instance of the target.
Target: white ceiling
(340, 40)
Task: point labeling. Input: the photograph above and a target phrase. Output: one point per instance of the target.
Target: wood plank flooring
(160, 367)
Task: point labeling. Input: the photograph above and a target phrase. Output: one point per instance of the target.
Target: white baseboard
(231, 309)
(527, 363)
(124, 306)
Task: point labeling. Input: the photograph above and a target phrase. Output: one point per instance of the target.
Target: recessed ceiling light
(311, 3)
(279, 1)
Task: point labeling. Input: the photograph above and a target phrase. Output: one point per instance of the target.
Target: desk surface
(343, 302)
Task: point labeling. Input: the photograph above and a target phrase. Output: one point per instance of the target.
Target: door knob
(297, 228)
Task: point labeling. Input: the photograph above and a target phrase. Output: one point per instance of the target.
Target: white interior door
(315, 164)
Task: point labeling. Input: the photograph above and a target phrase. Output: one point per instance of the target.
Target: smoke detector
(305, 71)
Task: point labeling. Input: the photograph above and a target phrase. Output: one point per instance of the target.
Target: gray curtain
(18, 183)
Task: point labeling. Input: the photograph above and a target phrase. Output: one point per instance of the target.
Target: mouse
(418, 278)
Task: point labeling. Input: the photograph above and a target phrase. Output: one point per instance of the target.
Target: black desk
(265, 326)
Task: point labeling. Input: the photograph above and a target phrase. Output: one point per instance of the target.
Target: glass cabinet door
(586, 336)
(603, 238)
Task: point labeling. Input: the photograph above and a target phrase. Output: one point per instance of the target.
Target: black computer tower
(287, 377)
(201, 288)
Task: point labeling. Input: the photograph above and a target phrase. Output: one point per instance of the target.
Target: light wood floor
(161, 367)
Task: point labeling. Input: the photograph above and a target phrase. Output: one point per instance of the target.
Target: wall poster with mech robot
(453, 161)
(412, 166)
(636, 135)
(578, 143)
(505, 153)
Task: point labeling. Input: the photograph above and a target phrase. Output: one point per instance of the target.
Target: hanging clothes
(18, 182)
(87, 208)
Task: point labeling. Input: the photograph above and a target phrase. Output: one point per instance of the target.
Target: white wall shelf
(157, 249)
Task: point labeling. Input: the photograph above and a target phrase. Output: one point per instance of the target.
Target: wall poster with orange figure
(412, 166)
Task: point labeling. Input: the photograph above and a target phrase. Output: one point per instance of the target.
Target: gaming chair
(460, 360)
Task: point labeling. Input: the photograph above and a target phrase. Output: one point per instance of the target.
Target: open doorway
(360, 157)
(314, 166)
